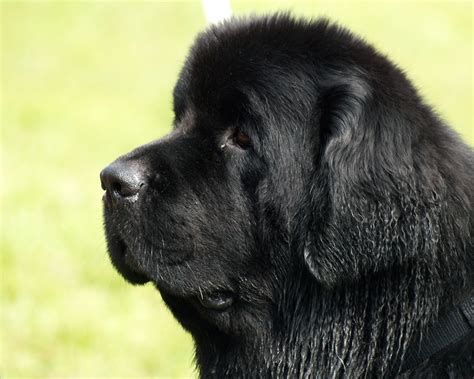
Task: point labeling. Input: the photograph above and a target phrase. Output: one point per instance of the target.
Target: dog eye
(241, 139)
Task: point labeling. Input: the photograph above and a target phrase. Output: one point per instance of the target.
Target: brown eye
(241, 139)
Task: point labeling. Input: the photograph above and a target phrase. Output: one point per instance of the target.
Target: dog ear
(375, 200)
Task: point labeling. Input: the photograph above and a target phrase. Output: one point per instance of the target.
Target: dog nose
(123, 178)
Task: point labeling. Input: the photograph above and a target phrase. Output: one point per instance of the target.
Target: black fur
(327, 247)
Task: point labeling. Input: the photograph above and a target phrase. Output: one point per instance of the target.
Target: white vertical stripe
(216, 10)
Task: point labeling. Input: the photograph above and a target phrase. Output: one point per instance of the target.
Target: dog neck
(351, 331)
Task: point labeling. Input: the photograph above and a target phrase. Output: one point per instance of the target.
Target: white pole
(216, 10)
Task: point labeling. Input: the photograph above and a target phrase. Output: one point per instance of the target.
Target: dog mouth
(125, 264)
(123, 258)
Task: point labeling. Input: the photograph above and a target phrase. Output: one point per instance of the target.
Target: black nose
(123, 178)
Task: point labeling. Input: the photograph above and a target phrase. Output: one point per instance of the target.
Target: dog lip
(216, 300)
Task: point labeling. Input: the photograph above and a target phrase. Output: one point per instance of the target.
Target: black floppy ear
(375, 201)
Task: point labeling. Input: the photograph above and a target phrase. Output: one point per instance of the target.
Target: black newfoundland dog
(308, 216)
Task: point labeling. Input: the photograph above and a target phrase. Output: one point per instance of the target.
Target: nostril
(125, 189)
(117, 187)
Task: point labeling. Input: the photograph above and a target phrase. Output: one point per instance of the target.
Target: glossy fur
(337, 237)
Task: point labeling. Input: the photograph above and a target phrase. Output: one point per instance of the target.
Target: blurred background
(85, 81)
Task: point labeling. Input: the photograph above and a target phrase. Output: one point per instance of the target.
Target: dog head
(296, 150)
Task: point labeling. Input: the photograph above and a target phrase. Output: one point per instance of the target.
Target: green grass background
(81, 83)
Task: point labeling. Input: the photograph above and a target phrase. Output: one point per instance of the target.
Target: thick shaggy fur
(327, 245)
